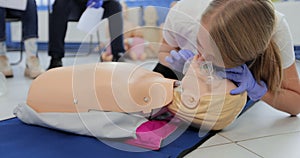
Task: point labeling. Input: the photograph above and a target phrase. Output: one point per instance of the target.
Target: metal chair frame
(10, 19)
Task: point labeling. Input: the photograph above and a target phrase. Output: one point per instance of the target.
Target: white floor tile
(260, 121)
(215, 140)
(222, 151)
(279, 146)
(17, 88)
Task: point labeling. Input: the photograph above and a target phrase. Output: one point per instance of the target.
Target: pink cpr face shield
(118, 87)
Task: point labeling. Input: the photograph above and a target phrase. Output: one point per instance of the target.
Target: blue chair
(10, 19)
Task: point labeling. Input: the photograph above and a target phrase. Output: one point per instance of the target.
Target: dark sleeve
(167, 72)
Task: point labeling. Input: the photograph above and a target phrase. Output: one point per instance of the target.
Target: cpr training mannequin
(127, 88)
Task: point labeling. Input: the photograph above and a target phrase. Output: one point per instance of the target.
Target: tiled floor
(260, 132)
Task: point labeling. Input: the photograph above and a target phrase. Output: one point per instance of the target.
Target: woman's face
(207, 48)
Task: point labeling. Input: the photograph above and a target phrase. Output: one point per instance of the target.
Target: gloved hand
(297, 55)
(245, 81)
(94, 3)
(178, 59)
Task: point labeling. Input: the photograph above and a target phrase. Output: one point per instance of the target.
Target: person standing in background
(29, 36)
(58, 23)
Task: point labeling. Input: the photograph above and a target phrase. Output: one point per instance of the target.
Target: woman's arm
(164, 51)
(288, 98)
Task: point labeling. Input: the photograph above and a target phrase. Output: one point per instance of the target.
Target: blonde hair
(242, 31)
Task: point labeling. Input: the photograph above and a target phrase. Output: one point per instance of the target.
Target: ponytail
(267, 67)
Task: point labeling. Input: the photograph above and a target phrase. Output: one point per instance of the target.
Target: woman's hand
(177, 59)
(245, 81)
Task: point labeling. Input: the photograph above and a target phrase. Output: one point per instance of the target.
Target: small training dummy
(128, 88)
(122, 98)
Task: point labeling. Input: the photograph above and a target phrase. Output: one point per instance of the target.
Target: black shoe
(118, 58)
(55, 62)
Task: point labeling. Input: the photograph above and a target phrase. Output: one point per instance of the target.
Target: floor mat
(21, 140)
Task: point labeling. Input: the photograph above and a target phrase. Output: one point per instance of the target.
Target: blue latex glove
(94, 3)
(245, 81)
(178, 59)
(297, 54)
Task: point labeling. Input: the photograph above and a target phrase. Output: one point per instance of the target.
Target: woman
(58, 23)
(246, 32)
